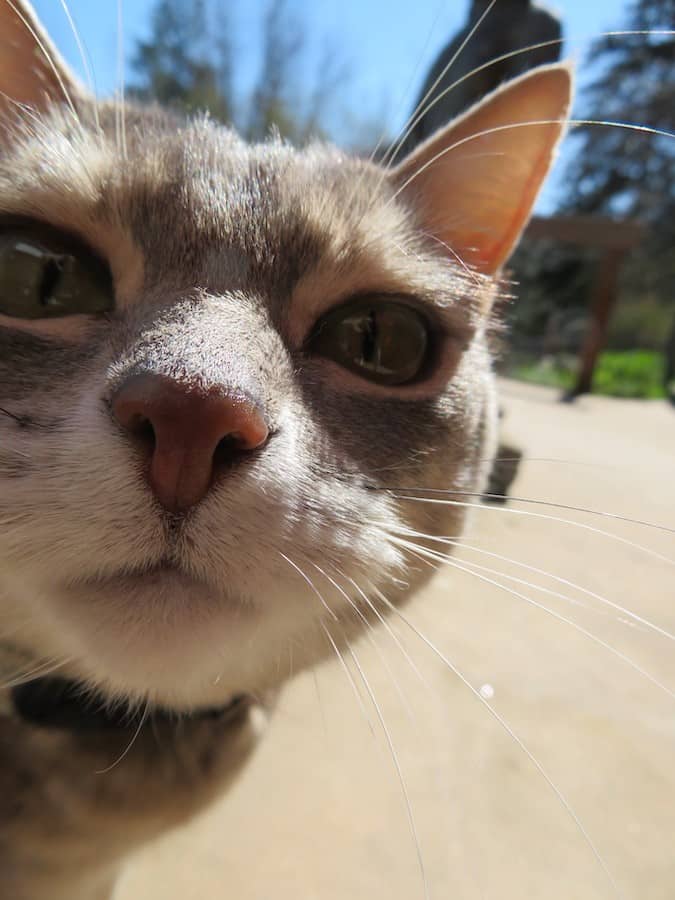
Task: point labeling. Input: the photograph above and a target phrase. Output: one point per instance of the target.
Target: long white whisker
(469, 568)
(634, 617)
(420, 106)
(566, 506)
(399, 771)
(514, 736)
(557, 578)
(534, 515)
(89, 75)
(371, 639)
(120, 79)
(422, 111)
(131, 743)
(311, 584)
(38, 671)
(359, 181)
(644, 129)
(52, 65)
(322, 599)
(350, 678)
(390, 631)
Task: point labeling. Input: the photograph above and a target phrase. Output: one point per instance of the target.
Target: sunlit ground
(321, 814)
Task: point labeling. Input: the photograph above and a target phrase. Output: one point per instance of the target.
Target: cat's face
(252, 342)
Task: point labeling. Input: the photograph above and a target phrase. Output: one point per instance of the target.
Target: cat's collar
(59, 703)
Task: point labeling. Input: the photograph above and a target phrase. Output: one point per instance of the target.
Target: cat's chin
(162, 636)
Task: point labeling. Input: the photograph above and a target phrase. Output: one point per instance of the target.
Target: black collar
(67, 705)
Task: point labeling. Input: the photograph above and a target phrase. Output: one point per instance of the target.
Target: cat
(213, 355)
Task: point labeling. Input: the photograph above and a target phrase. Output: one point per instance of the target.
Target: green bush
(630, 373)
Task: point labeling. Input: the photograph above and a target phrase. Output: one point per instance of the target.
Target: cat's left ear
(32, 72)
(474, 183)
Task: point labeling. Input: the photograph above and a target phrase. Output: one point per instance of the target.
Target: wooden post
(616, 239)
(603, 300)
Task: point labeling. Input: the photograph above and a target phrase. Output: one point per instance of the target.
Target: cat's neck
(69, 882)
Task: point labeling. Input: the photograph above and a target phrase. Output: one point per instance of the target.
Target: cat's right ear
(474, 182)
(32, 72)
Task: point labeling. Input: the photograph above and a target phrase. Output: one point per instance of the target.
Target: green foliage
(633, 373)
(548, 371)
(640, 321)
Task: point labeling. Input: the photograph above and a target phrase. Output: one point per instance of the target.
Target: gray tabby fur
(223, 255)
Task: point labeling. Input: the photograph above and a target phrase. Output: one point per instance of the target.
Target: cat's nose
(189, 433)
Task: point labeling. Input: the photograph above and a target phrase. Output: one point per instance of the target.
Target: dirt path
(320, 815)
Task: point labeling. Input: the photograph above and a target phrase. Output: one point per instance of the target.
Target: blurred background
(595, 305)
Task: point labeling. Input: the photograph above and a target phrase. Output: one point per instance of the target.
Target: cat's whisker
(120, 81)
(424, 108)
(386, 162)
(350, 679)
(25, 110)
(397, 765)
(132, 741)
(384, 134)
(84, 56)
(605, 601)
(470, 568)
(410, 124)
(48, 58)
(319, 699)
(14, 451)
(513, 735)
(374, 703)
(311, 584)
(370, 635)
(555, 505)
(536, 123)
(473, 275)
(390, 631)
(324, 628)
(412, 534)
(526, 512)
(44, 668)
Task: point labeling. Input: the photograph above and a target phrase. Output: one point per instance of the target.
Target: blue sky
(386, 45)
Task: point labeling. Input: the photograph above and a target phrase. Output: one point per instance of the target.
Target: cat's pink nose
(188, 433)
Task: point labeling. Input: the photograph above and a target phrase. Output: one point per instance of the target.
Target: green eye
(382, 340)
(44, 274)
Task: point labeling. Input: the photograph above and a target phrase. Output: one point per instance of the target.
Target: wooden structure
(614, 239)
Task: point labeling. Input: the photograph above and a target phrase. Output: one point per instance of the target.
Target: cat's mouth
(163, 574)
(164, 587)
(159, 633)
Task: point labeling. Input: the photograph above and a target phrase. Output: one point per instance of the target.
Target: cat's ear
(474, 182)
(32, 72)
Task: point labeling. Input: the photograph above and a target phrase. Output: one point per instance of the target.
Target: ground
(320, 813)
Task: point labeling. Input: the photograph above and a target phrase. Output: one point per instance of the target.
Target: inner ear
(474, 183)
(32, 71)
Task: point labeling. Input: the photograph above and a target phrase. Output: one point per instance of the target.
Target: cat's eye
(45, 274)
(382, 340)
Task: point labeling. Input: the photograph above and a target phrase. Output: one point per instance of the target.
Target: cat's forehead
(192, 197)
